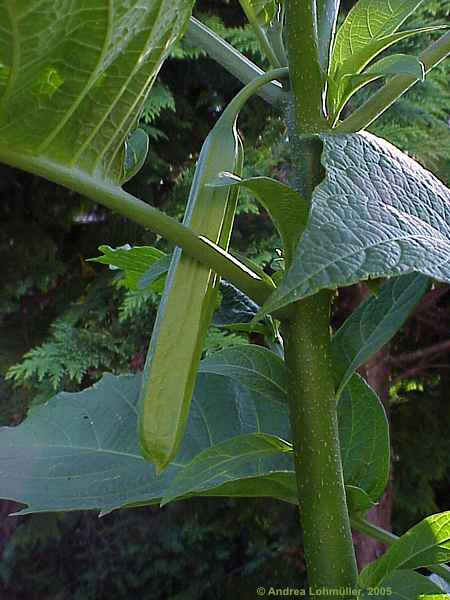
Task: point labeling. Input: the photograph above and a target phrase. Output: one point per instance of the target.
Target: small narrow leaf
(258, 453)
(398, 64)
(287, 209)
(425, 544)
(136, 150)
(341, 91)
(374, 323)
(378, 213)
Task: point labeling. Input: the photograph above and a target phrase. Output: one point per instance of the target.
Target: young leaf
(374, 323)
(74, 109)
(132, 260)
(136, 150)
(249, 455)
(287, 209)
(348, 85)
(425, 544)
(378, 213)
(366, 28)
(403, 585)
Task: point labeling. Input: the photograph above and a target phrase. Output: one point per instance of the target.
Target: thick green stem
(231, 59)
(388, 538)
(377, 104)
(307, 77)
(328, 544)
(323, 510)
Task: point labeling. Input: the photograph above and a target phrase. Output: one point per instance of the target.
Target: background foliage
(64, 321)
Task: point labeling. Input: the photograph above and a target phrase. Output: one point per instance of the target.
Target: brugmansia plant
(292, 420)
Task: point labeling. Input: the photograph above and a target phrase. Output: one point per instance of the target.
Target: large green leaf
(80, 451)
(75, 76)
(377, 214)
(374, 323)
(287, 209)
(369, 22)
(425, 544)
(404, 585)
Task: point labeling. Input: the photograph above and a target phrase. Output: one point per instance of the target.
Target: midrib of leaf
(119, 95)
(119, 130)
(92, 79)
(15, 53)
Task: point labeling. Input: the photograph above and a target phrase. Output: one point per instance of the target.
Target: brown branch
(423, 353)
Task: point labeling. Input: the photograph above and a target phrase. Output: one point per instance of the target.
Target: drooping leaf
(76, 76)
(235, 306)
(404, 585)
(425, 544)
(377, 214)
(374, 323)
(366, 25)
(364, 436)
(80, 451)
(136, 150)
(287, 209)
(396, 64)
(134, 261)
(255, 452)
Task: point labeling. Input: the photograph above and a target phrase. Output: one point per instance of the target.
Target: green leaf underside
(79, 74)
(80, 451)
(405, 585)
(287, 209)
(365, 24)
(425, 544)
(134, 261)
(374, 323)
(377, 214)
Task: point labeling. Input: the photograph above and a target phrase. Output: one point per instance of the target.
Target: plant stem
(231, 59)
(312, 405)
(260, 33)
(328, 544)
(377, 104)
(307, 78)
(127, 205)
(388, 538)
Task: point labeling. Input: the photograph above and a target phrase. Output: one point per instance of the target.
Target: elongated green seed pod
(190, 294)
(186, 307)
